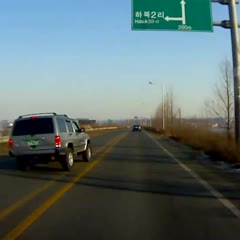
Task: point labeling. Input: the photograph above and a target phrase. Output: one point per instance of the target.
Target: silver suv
(44, 137)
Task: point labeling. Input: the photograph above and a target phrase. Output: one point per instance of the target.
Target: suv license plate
(32, 142)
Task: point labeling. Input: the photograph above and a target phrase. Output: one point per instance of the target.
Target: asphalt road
(137, 186)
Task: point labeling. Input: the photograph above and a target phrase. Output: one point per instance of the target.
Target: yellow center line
(38, 212)
(21, 202)
(7, 211)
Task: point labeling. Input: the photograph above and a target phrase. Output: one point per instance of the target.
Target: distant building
(5, 124)
(85, 121)
(5, 127)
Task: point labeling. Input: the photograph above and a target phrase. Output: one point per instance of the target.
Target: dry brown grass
(217, 145)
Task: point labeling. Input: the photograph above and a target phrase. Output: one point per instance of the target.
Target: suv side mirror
(82, 129)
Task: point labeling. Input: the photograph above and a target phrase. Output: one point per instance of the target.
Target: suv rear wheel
(68, 159)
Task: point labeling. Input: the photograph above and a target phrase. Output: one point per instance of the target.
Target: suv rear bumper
(39, 154)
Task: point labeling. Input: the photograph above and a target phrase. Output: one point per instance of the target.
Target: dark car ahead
(136, 128)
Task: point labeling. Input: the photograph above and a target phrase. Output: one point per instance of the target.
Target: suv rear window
(33, 126)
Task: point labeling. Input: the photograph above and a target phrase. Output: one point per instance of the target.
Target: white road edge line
(229, 205)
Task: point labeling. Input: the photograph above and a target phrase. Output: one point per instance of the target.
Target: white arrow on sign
(183, 18)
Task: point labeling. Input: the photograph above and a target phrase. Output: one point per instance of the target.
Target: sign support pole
(236, 64)
(233, 26)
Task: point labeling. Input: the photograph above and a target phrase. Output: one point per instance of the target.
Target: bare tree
(207, 112)
(222, 104)
(158, 117)
(169, 110)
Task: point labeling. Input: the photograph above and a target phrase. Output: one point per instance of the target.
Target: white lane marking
(229, 205)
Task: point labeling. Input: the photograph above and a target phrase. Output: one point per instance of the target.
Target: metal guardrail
(104, 128)
(4, 139)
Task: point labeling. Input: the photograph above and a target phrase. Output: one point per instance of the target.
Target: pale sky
(81, 57)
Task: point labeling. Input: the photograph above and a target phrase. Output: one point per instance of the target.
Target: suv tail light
(58, 141)
(10, 143)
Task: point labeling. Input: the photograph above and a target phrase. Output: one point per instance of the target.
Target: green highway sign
(182, 15)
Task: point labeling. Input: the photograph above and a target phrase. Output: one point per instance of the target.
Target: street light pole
(163, 106)
(163, 109)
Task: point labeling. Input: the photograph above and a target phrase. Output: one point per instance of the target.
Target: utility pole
(233, 25)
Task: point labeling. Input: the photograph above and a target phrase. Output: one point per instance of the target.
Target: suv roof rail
(65, 115)
(34, 114)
